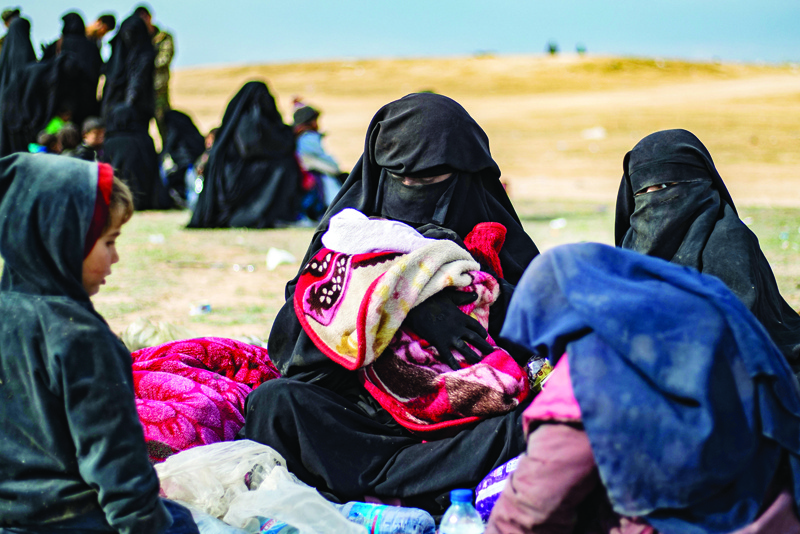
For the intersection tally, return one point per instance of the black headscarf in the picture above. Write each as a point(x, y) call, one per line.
point(695, 223)
point(128, 106)
point(426, 134)
point(17, 53)
point(84, 68)
point(128, 94)
point(419, 135)
point(184, 142)
point(252, 176)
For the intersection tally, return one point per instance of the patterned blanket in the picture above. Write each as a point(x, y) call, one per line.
point(192, 392)
point(353, 306)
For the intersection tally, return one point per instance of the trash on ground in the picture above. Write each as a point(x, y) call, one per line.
point(276, 256)
point(200, 309)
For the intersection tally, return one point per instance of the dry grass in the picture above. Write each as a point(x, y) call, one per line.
point(536, 111)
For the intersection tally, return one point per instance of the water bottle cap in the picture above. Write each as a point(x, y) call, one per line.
point(461, 495)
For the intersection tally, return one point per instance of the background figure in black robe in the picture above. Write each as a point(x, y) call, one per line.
point(673, 204)
point(128, 106)
point(252, 179)
point(86, 63)
point(16, 54)
point(183, 144)
point(333, 434)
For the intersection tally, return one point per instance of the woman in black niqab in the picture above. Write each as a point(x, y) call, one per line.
point(350, 445)
point(673, 204)
point(423, 135)
point(128, 106)
point(252, 178)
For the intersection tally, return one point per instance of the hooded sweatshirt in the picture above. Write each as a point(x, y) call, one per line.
point(70, 439)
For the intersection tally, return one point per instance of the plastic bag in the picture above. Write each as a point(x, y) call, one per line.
point(240, 480)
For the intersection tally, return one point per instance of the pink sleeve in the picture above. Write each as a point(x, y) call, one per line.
point(556, 402)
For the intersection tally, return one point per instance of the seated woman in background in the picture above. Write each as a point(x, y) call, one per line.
point(252, 179)
point(668, 410)
point(673, 204)
point(426, 163)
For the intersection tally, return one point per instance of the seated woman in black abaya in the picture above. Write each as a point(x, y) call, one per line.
point(252, 179)
point(673, 204)
point(384, 348)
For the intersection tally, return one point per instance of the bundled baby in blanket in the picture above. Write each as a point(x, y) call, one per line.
point(354, 296)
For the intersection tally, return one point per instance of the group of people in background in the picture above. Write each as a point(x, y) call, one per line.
point(272, 174)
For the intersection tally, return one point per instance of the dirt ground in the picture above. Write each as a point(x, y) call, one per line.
point(558, 127)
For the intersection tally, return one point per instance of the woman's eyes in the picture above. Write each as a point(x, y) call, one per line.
point(652, 188)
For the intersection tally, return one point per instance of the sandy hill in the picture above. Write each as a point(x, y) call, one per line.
point(559, 126)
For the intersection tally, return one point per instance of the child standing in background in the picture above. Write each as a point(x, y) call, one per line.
point(72, 451)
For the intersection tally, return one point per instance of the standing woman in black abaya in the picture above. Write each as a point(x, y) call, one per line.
point(673, 204)
point(16, 54)
point(128, 106)
point(81, 75)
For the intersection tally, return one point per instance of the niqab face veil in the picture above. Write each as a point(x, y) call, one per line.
point(689, 218)
point(423, 135)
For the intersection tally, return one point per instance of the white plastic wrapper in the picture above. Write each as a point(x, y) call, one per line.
point(241, 480)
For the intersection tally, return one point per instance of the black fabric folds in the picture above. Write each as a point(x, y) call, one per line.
point(38, 91)
point(693, 222)
point(86, 64)
point(129, 78)
point(128, 106)
point(17, 54)
point(252, 178)
point(183, 144)
point(72, 440)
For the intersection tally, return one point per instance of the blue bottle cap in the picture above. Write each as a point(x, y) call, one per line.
point(461, 495)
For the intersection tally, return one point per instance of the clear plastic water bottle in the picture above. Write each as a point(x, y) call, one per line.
point(273, 526)
point(461, 517)
point(208, 524)
point(384, 519)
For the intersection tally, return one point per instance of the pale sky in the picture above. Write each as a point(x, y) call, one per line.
point(264, 31)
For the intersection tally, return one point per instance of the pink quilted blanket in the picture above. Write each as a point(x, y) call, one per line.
point(192, 392)
point(353, 306)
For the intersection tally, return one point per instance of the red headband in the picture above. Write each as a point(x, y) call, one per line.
point(105, 181)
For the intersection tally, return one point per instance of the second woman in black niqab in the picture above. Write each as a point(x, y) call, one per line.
point(333, 434)
point(673, 204)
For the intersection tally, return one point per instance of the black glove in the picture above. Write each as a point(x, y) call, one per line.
point(434, 231)
point(438, 321)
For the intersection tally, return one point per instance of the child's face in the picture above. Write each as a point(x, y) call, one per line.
point(97, 264)
point(94, 138)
